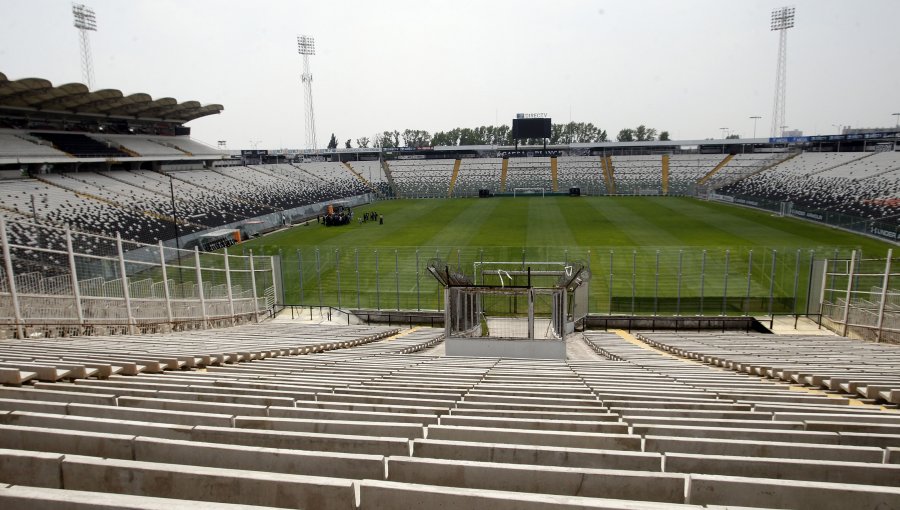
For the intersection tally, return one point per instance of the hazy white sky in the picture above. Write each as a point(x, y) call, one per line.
point(689, 67)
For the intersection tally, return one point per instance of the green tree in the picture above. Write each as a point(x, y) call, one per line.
point(664, 136)
point(363, 142)
point(332, 144)
point(625, 135)
point(347, 143)
point(734, 136)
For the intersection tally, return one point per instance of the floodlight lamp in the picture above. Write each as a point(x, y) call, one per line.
point(306, 45)
point(85, 19)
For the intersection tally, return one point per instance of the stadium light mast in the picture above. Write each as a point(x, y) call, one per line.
point(306, 46)
point(782, 20)
point(896, 122)
point(755, 118)
point(85, 21)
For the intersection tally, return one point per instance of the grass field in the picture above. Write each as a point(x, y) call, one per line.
point(634, 246)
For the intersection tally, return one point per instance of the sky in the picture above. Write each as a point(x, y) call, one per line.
point(690, 67)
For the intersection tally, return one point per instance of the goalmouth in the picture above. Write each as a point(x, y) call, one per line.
point(521, 192)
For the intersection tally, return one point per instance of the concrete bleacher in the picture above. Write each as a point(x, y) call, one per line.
point(323, 416)
point(422, 178)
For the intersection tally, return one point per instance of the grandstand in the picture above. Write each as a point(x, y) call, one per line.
point(139, 371)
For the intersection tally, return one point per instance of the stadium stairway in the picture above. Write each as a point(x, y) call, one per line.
point(363, 180)
point(709, 175)
point(608, 174)
point(368, 418)
point(390, 177)
point(453, 177)
point(504, 169)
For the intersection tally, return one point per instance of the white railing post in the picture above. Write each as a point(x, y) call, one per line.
point(253, 287)
point(228, 286)
point(125, 290)
point(11, 279)
point(849, 289)
point(165, 277)
point(200, 287)
point(884, 287)
point(75, 289)
point(274, 282)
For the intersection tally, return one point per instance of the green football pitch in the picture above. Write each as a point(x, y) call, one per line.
point(646, 254)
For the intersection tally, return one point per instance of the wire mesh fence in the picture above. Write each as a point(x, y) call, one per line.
point(625, 281)
point(860, 296)
point(57, 282)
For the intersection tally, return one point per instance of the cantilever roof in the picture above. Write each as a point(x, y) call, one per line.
point(39, 94)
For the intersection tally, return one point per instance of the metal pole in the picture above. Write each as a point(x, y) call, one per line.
point(253, 287)
point(678, 292)
point(274, 280)
point(300, 274)
point(772, 283)
point(610, 309)
point(418, 296)
point(531, 313)
point(587, 296)
point(725, 284)
point(377, 288)
point(73, 270)
point(397, 273)
point(200, 287)
point(702, 278)
point(356, 256)
point(884, 287)
point(749, 275)
point(337, 272)
point(481, 254)
point(633, 278)
point(11, 279)
point(796, 283)
point(319, 277)
point(125, 290)
point(228, 285)
point(165, 278)
point(656, 287)
point(849, 290)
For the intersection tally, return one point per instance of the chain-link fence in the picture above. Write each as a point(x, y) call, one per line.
point(860, 296)
point(625, 281)
point(55, 282)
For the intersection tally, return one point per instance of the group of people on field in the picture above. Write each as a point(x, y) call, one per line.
point(372, 216)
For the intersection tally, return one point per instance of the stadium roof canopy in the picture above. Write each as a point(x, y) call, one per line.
point(39, 95)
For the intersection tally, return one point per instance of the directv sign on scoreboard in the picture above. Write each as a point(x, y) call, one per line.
point(531, 115)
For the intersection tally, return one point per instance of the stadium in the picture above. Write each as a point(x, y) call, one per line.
point(517, 316)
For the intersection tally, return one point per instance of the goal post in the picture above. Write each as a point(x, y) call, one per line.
point(531, 192)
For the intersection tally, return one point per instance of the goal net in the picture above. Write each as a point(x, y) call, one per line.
point(532, 192)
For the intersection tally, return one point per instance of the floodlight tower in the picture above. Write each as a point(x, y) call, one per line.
point(306, 46)
point(782, 20)
point(85, 22)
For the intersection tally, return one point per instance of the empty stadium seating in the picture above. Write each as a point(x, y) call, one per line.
point(857, 184)
point(288, 415)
